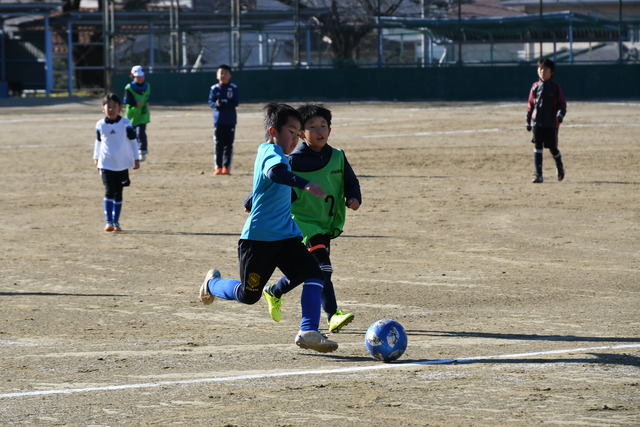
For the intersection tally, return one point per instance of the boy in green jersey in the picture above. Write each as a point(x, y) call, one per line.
point(319, 220)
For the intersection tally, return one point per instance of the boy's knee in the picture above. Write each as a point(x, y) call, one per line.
point(250, 297)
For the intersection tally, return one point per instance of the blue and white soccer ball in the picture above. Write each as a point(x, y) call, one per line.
point(386, 340)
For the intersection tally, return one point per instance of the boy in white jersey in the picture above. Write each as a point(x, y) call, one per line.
point(270, 238)
point(115, 151)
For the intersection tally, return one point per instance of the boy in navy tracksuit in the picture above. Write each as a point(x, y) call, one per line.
point(546, 110)
point(223, 98)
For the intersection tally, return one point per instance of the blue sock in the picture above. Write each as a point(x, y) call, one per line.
point(225, 288)
point(108, 209)
point(310, 302)
point(117, 208)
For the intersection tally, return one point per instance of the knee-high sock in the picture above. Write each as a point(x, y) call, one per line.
point(310, 302)
point(537, 161)
point(558, 159)
point(117, 208)
point(225, 288)
point(108, 209)
point(283, 286)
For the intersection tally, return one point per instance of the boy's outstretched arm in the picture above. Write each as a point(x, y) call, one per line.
point(315, 189)
point(281, 175)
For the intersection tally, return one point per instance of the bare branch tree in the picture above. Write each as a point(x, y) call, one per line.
point(347, 22)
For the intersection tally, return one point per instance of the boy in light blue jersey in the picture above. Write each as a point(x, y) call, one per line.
point(270, 237)
point(319, 220)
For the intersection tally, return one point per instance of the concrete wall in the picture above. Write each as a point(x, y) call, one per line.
point(579, 82)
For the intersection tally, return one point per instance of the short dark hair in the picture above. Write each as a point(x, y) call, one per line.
point(277, 114)
point(546, 62)
point(111, 97)
point(308, 111)
point(224, 67)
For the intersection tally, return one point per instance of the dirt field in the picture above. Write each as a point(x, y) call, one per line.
point(520, 300)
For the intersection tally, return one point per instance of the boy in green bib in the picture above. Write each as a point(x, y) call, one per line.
point(323, 219)
point(136, 98)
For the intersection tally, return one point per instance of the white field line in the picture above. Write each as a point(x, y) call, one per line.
point(311, 372)
point(390, 135)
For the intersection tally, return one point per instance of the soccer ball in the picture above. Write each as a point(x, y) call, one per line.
point(386, 340)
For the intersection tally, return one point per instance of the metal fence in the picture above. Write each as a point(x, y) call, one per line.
point(90, 47)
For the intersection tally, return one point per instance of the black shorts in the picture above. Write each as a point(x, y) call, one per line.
point(545, 138)
point(114, 182)
point(320, 239)
point(258, 261)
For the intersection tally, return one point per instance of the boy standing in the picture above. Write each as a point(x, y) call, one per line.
point(270, 238)
point(136, 98)
point(546, 110)
point(320, 220)
point(223, 98)
point(115, 151)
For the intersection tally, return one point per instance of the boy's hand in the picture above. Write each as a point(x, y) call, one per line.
point(315, 189)
point(528, 128)
point(353, 204)
point(136, 164)
point(560, 118)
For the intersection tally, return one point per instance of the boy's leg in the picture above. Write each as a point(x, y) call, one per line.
point(225, 288)
point(538, 140)
point(256, 266)
point(537, 162)
point(300, 267)
point(218, 150)
point(559, 166)
point(117, 208)
point(319, 247)
point(553, 148)
point(109, 197)
point(108, 209)
point(336, 318)
point(320, 252)
point(310, 302)
point(141, 134)
point(228, 147)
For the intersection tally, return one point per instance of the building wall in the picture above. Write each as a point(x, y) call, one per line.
point(579, 82)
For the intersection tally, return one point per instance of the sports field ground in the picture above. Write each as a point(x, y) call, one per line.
point(521, 301)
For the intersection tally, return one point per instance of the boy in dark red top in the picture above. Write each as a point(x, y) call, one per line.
point(546, 110)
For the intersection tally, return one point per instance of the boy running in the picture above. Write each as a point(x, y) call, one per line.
point(270, 237)
point(319, 219)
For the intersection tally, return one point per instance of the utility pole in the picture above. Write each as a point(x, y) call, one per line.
point(235, 33)
point(107, 28)
point(541, 29)
point(620, 55)
point(296, 36)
